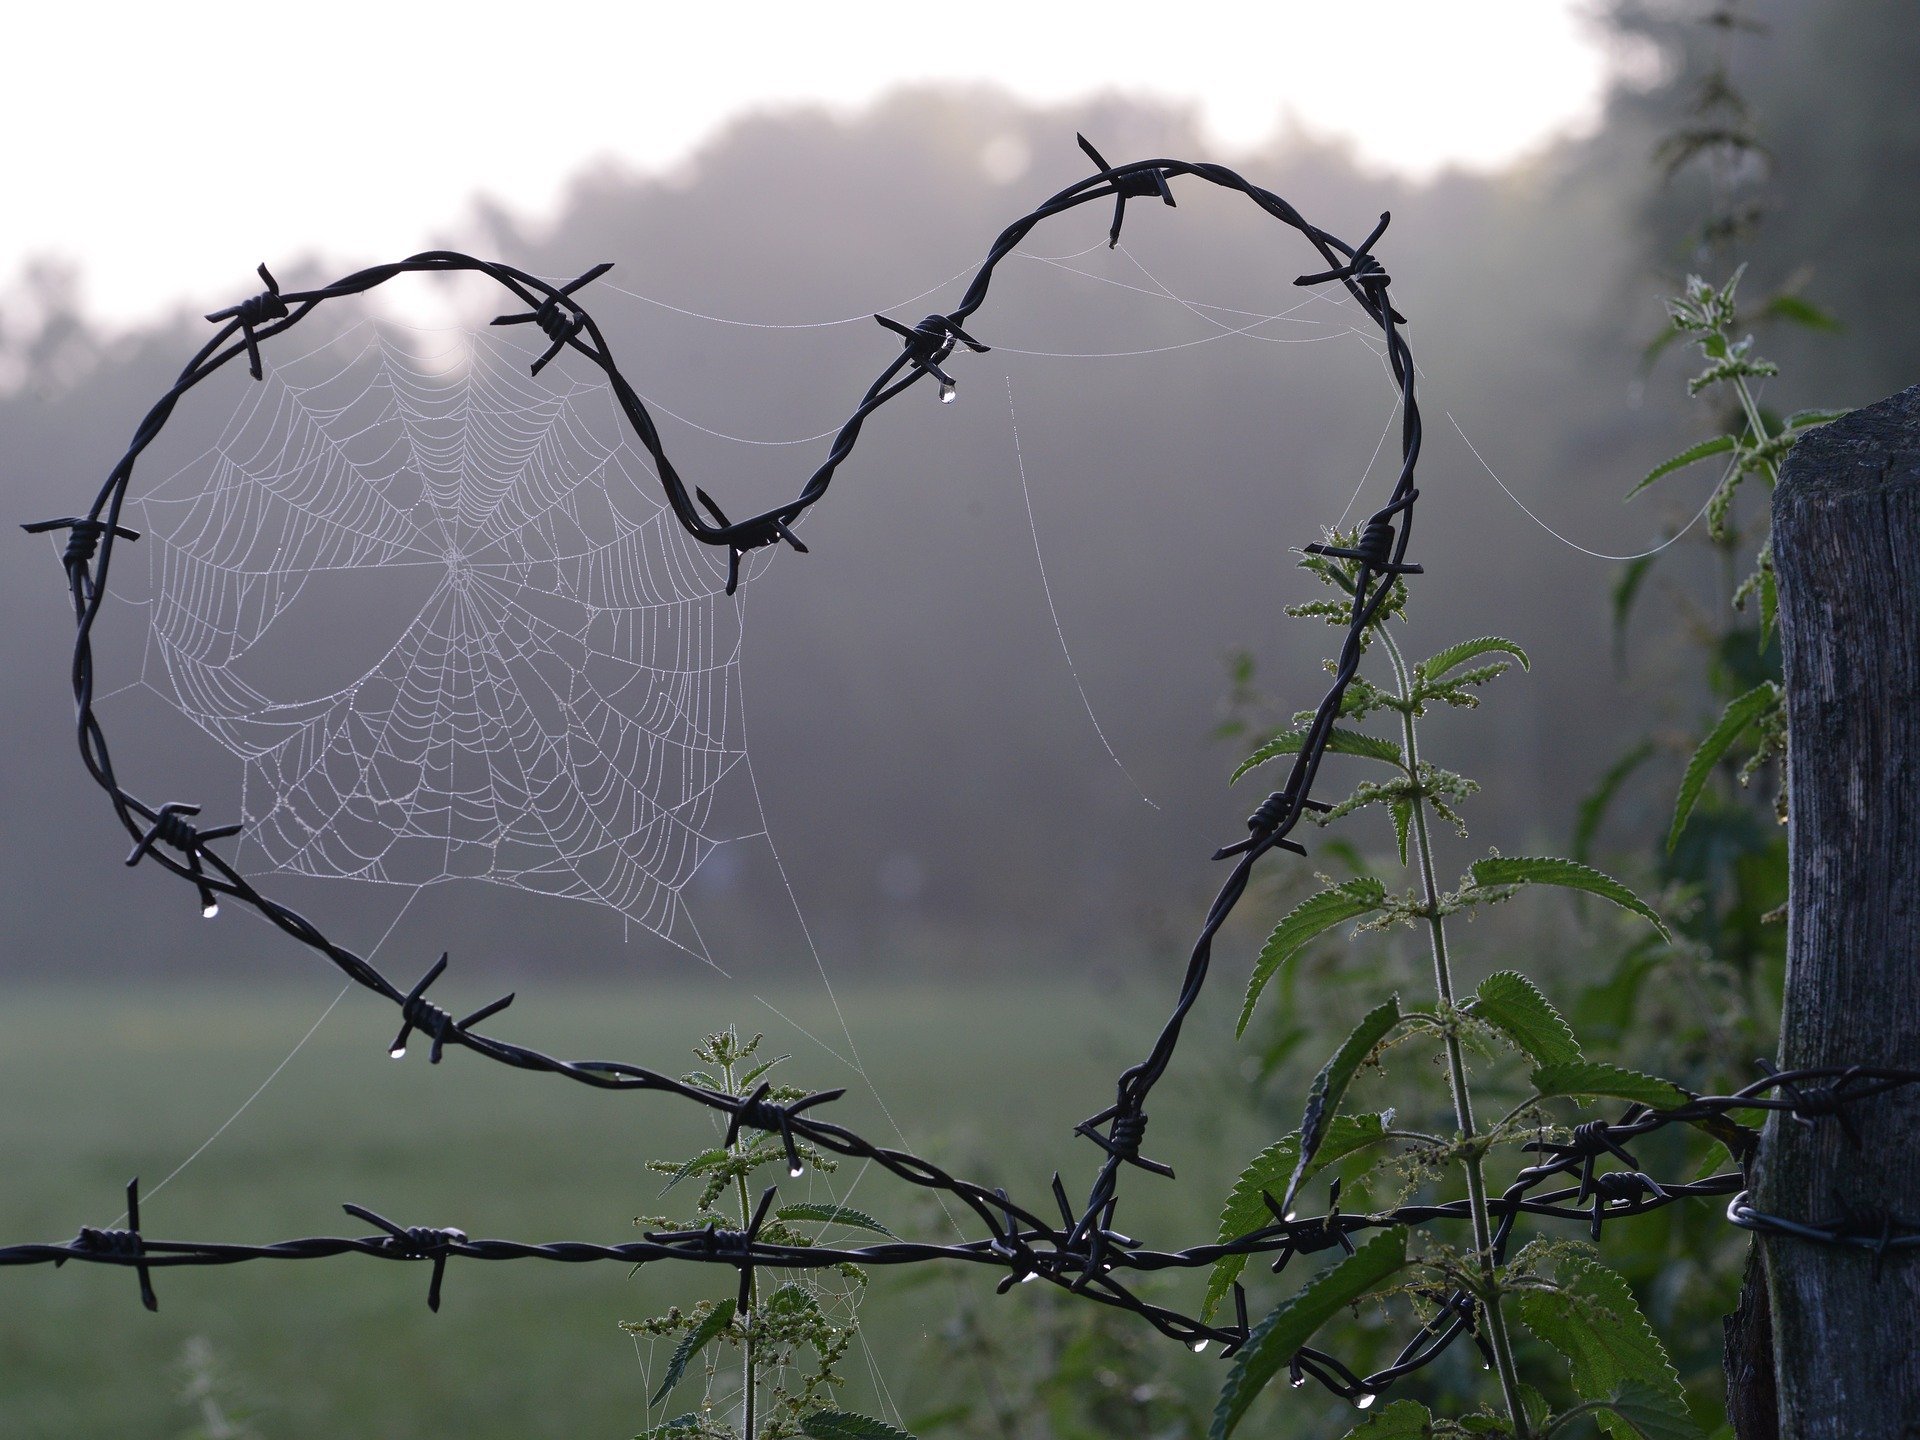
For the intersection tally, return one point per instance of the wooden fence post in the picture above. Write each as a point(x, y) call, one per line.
point(1846, 527)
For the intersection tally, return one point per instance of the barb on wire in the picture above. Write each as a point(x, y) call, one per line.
point(1135, 184)
point(417, 1013)
point(250, 314)
point(83, 538)
point(172, 826)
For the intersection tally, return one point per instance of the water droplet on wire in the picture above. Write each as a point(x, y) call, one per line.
point(948, 392)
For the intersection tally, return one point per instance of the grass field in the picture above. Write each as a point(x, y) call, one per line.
point(99, 1086)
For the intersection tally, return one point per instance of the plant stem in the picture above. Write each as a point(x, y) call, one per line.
point(746, 1320)
point(1755, 425)
point(1497, 1337)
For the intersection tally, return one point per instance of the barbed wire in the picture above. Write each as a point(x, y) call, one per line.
point(1081, 1251)
point(1029, 1249)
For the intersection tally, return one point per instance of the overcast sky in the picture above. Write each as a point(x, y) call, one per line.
point(167, 148)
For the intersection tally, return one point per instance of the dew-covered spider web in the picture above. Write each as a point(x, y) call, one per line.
point(539, 682)
point(440, 615)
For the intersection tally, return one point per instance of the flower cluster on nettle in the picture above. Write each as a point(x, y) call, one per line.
point(789, 1338)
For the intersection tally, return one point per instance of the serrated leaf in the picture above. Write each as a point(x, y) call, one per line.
point(1514, 1006)
point(680, 1425)
point(840, 1425)
point(1289, 1326)
point(1330, 1087)
point(1593, 809)
point(1593, 1322)
point(748, 1080)
point(1801, 419)
point(1625, 591)
point(1454, 656)
point(1692, 455)
point(1402, 811)
point(705, 1160)
point(1740, 713)
point(691, 1345)
point(1313, 916)
point(1402, 1420)
point(1591, 1077)
point(832, 1215)
point(1796, 310)
point(791, 1300)
point(1246, 1209)
point(1339, 740)
point(1650, 1413)
point(1569, 874)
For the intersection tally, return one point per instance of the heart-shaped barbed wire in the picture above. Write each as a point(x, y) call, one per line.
point(1080, 1251)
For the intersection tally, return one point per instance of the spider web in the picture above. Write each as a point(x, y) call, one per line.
point(542, 687)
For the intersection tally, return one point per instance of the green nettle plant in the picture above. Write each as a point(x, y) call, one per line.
point(1555, 1291)
point(787, 1347)
point(1755, 444)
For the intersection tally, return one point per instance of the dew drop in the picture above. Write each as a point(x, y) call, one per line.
point(398, 1052)
point(1198, 1346)
point(1364, 1401)
point(1029, 1277)
point(209, 910)
point(1297, 1381)
point(947, 393)
point(794, 1172)
point(1290, 1216)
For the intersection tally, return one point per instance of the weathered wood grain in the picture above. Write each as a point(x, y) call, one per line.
point(1846, 519)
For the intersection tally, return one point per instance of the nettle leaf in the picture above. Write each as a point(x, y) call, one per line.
point(1246, 1210)
point(832, 1215)
point(1592, 1320)
point(1498, 870)
point(1313, 916)
point(1692, 455)
point(1330, 1087)
point(1649, 1413)
point(1454, 656)
point(1402, 1420)
point(1801, 419)
point(1798, 310)
point(691, 1345)
point(841, 1425)
point(792, 1300)
point(688, 1424)
point(1275, 1339)
point(1741, 712)
point(1514, 1006)
point(1402, 818)
point(1593, 809)
point(1340, 741)
point(748, 1080)
point(1626, 590)
point(699, 1164)
point(1592, 1078)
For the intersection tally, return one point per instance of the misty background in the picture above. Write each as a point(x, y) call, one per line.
point(934, 786)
